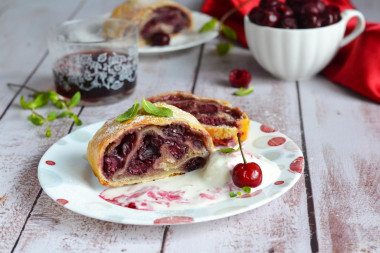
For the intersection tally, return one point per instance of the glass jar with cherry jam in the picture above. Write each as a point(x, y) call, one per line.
point(96, 58)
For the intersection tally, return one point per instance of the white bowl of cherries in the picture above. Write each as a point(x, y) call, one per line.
point(296, 39)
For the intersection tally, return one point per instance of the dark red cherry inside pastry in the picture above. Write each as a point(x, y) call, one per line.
point(219, 118)
point(138, 152)
point(160, 39)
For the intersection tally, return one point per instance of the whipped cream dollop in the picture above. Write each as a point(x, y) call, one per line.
point(195, 189)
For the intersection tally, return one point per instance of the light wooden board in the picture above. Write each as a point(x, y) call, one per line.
point(24, 26)
point(281, 225)
point(22, 144)
point(343, 142)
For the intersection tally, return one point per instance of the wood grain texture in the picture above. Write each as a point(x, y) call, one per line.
point(22, 143)
point(279, 226)
point(342, 133)
point(370, 9)
point(23, 26)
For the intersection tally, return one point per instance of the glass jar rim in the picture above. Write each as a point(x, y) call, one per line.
point(58, 30)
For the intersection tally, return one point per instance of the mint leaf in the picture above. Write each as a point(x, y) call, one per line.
point(229, 32)
point(48, 132)
point(246, 189)
point(208, 26)
point(223, 48)
point(60, 104)
point(77, 121)
point(74, 100)
point(228, 150)
point(23, 103)
point(129, 114)
point(53, 96)
point(243, 91)
point(36, 119)
point(63, 114)
point(52, 116)
point(41, 100)
point(233, 194)
point(156, 111)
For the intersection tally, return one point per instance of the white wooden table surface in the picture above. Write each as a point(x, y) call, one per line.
point(333, 208)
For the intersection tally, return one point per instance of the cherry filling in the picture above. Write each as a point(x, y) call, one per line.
point(195, 163)
point(206, 111)
point(138, 153)
point(167, 20)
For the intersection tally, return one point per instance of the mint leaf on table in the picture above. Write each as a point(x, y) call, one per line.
point(41, 100)
point(156, 111)
point(74, 100)
point(53, 96)
point(229, 32)
point(243, 91)
point(223, 48)
point(23, 103)
point(129, 114)
point(36, 119)
point(228, 150)
point(52, 116)
point(208, 26)
point(63, 114)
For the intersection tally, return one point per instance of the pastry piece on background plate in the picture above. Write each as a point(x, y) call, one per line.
point(219, 118)
point(153, 17)
point(148, 148)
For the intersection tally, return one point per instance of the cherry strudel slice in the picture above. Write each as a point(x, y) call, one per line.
point(219, 118)
point(147, 148)
point(154, 17)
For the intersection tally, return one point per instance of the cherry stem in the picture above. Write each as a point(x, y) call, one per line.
point(228, 14)
point(22, 86)
point(232, 11)
point(241, 149)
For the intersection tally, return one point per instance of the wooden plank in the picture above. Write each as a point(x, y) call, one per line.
point(23, 26)
point(370, 9)
point(22, 143)
point(157, 73)
point(281, 225)
point(342, 132)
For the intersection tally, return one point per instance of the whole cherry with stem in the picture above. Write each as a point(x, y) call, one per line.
point(246, 174)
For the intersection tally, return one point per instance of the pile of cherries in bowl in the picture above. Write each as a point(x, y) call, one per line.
point(294, 14)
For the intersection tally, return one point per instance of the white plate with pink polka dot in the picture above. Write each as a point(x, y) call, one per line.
point(66, 176)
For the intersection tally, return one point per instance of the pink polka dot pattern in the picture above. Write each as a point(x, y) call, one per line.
point(266, 129)
point(249, 195)
point(279, 183)
point(276, 141)
point(51, 163)
point(297, 165)
point(174, 220)
point(62, 201)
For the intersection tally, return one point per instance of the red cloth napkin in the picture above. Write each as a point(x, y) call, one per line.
point(356, 65)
